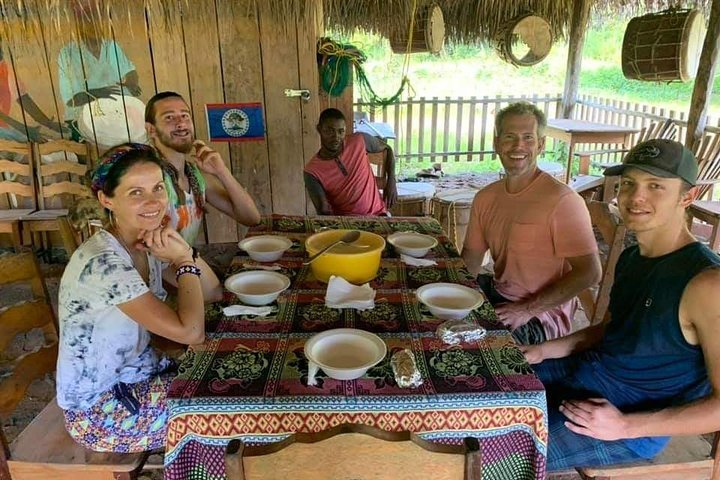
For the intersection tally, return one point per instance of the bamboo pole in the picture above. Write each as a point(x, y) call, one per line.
point(578, 26)
point(702, 90)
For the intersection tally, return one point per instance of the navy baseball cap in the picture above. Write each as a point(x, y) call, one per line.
point(662, 158)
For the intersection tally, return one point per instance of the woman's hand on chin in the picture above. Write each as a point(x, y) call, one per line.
point(167, 245)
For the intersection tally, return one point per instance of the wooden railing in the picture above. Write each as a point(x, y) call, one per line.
point(461, 129)
point(445, 129)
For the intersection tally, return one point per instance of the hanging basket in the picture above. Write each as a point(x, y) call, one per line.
point(663, 46)
point(428, 32)
point(524, 41)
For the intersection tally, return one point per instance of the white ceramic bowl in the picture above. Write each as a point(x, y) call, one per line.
point(257, 287)
point(412, 243)
point(449, 301)
point(265, 248)
point(345, 353)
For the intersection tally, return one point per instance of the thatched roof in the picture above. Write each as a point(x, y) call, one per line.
point(477, 21)
point(466, 21)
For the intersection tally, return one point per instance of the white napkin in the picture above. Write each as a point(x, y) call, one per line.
point(416, 262)
point(343, 294)
point(233, 310)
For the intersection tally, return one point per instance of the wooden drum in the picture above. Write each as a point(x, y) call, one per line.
point(413, 199)
point(452, 209)
point(663, 46)
point(428, 32)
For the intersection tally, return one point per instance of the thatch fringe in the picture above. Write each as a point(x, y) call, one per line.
point(466, 21)
point(478, 21)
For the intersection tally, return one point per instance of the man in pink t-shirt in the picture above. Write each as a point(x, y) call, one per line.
point(339, 178)
point(538, 232)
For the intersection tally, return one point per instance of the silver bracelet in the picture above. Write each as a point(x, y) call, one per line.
point(191, 269)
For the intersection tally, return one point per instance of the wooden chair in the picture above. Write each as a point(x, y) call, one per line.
point(378, 163)
point(59, 185)
point(352, 454)
point(44, 449)
point(660, 129)
point(705, 208)
point(24, 187)
point(685, 458)
point(595, 300)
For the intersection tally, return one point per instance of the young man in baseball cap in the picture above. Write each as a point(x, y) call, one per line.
point(618, 390)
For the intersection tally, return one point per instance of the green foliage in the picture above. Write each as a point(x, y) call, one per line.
point(466, 70)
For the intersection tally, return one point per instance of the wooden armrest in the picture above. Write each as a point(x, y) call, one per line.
point(588, 153)
point(603, 166)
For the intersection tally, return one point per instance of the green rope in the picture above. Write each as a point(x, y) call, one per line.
point(336, 73)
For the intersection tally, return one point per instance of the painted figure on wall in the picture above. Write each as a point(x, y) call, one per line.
point(12, 91)
point(96, 68)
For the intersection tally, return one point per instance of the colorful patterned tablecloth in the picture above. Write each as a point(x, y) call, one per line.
point(249, 379)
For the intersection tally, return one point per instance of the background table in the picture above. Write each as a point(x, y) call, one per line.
point(249, 379)
point(573, 132)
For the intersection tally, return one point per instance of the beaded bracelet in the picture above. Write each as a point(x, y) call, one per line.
point(189, 268)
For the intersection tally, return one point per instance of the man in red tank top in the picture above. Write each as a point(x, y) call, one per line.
point(339, 178)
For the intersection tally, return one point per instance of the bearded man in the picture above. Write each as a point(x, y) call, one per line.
point(195, 173)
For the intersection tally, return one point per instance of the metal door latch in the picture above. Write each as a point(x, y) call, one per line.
point(304, 94)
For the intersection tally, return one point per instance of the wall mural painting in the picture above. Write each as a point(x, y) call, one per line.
point(98, 85)
point(14, 129)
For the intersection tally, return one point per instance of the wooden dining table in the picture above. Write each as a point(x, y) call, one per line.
point(248, 380)
point(575, 132)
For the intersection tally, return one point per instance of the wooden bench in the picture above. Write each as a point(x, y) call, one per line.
point(44, 450)
point(685, 458)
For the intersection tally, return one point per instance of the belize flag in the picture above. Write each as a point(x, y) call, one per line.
point(235, 122)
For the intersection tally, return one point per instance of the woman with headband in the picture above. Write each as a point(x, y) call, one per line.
point(110, 383)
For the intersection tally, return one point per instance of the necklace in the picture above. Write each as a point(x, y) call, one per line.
point(143, 270)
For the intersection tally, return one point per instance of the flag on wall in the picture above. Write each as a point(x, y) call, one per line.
point(235, 122)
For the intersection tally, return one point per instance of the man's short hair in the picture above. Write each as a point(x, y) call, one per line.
point(331, 114)
point(521, 108)
point(150, 107)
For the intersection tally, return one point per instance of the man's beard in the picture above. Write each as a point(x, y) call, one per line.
point(179, 146)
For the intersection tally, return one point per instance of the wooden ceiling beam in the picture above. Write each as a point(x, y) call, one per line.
point(702, 90)
point(578, 27)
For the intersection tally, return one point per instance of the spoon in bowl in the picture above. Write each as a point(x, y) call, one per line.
point(348, 237)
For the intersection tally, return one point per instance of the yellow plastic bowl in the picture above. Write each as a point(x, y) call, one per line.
point(357, 263)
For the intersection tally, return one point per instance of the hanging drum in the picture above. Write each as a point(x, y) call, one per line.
point(428, 33)
point(663, 46)
point(524, 40)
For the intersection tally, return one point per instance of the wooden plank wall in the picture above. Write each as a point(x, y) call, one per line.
point(220, 51)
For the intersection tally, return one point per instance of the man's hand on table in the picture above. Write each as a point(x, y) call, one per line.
point(513, 315)
point(596, 418)
point(533, 353)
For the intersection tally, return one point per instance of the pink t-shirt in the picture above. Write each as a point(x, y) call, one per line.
point(355, 193)
point(530, 234)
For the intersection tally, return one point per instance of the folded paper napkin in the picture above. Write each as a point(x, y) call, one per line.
point(343, 294)
point(416, 262)
point(233, 310)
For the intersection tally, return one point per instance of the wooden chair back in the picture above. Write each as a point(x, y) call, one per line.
point(612, 231)
point(63, 178)
point(707, 154)
point(17, 187)
point(21, 318)
point(378, 163)
point(666, 129)
point(352, 454)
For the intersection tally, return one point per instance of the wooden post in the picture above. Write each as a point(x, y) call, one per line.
point(702, 90)
point(580, 15)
